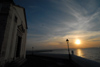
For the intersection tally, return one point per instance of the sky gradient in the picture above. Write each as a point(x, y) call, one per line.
point(51, 22)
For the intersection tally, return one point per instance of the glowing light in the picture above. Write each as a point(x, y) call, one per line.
point(77, 41)
point(79, 52)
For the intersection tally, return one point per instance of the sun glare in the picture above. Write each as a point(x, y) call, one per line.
point(77, 41)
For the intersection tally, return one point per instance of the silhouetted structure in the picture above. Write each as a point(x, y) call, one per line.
point(13, 27)
point(72, 52)
point(32, 50)
point(68, 49)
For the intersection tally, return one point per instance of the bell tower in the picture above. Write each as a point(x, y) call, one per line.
point(13, 31)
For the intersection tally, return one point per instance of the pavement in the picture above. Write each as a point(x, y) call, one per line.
point(40, 61)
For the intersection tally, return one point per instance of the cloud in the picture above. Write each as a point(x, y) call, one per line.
point(64, 19)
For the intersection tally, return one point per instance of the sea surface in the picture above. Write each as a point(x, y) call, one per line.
point(89, 53)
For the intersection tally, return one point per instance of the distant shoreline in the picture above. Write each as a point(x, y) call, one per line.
point(40, 51)
point(50, 50)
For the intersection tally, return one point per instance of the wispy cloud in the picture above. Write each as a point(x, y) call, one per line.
point(64, 19)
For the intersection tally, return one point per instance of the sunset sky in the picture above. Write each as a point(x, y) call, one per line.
point(51, 22)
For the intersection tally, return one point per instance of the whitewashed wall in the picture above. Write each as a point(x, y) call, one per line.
point(20, 12)
point(11, 32)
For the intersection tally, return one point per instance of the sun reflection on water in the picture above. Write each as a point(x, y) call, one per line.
point(79, 52)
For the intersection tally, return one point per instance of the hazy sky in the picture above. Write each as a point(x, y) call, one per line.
point(51, 22)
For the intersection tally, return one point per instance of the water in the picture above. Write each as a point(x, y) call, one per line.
point(89, 53)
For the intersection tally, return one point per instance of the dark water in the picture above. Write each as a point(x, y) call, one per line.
point(89, 53)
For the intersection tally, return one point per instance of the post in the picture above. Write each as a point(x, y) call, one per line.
point(68, 49)
point(32, 50)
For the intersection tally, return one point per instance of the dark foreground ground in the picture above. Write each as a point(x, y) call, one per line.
point(40, 61)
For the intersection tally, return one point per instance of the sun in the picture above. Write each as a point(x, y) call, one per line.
point(78, 41)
